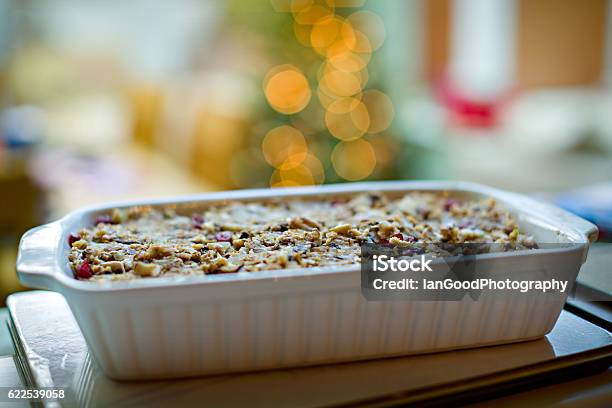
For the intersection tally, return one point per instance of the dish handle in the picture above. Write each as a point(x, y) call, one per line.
point(38, 256)
point(557, 216)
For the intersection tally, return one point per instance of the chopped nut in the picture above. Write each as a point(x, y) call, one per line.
point(80, 244)
point(471, 234)
point(347, 230)
point(114, 266)
point(144, 269)
point(199, 239)
point(232, 227)
point(220, 247)
point(303, 223)
point(514, 234)
point(229, 268)
point(118, 216)
point(385, 230)
point(330, 237)
point(342, 229)
point(313, 236)
point(238, 243)
point(282, 259)
point(157, 251)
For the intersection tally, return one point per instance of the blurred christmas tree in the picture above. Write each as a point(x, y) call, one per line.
point(320, 115)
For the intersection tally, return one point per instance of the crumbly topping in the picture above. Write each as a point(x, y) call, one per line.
point(252, 236)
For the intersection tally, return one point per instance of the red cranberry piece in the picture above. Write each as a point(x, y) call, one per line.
point(223, 236)
point(72, 238)
point(104, 219)
point(383, 241)
point(449, 203)
point(84, 271)
point(399, 235)
point(197, 220)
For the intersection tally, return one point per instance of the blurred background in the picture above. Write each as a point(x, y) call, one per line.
point(108, 100)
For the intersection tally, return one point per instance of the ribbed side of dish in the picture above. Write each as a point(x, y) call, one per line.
point(181, 340)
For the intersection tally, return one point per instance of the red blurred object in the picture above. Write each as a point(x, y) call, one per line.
point(469, 112)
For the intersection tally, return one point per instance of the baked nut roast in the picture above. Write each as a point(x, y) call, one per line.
point(249, 236)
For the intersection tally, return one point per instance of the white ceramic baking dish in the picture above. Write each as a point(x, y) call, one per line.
point(173, 327)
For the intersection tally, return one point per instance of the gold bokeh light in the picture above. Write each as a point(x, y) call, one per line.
point(338, 105)
point(347, 124)
point(354, 160)
point(286, 89)
point(310, 15)
point(309, 172)
point(325, 32)
point(284, 147)
point(336, 83)
point(380, 109)
point(347, 58)
point(368, 25)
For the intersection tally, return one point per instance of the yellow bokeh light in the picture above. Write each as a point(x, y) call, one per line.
point(346, 58)
point(312, 14)
point(341, 105)
point(368, 25)
point(324, 98)
point(299, 5)
point(286, 89)
point(338, 105)
point(380, 109)
point(324, 33)
point(326, 67)
point(354, 160)
point(338, 83)
point(284, 147)
point(349, 125)
point(384, 148)
point(308, 173)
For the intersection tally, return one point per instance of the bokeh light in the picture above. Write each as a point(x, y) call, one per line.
point(340, 105)
point(345, 123)
point(284, 147)
point(309, 172)
point(326, 67)
point(287, 89)
point(310, 15)
point(354, 160)
point(347, 58)
point(324, 32)
point(369, 25)
point(385, 149)
point(336, 83)
point(380, 109)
